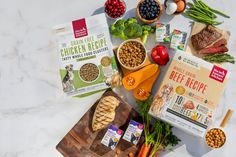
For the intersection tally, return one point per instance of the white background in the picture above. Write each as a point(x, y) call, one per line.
point(34, 115)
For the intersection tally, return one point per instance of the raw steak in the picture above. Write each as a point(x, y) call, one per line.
point(210, 50)
point(205, 37)
point(221, 42)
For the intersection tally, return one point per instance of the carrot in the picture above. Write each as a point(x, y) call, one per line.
point(144, 150)
point(155, 154)
point(131, 154)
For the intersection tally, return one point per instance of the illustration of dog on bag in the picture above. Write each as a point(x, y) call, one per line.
point(68, 80)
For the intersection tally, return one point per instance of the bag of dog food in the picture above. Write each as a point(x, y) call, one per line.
point(87, 62)
point(189, 93)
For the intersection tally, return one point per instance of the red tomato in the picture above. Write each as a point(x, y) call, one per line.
point(160, 55)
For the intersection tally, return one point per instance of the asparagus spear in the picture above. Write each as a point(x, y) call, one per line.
point(219, 58)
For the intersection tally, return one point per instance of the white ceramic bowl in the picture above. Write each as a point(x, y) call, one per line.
point(111, 18)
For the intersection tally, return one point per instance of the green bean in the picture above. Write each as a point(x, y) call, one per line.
point(199, 18)
point(198, 4)
point(206, 11)
point(202, 4)
point(199, 14)
point(221, 13)
point(191, 4)
point(204, 20)
point(199, 10)
point(213, 10)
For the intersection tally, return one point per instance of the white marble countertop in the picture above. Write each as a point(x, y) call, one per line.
point(34, 115)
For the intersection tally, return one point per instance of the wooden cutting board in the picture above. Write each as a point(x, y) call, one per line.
point(197, 27)
point(82, 141)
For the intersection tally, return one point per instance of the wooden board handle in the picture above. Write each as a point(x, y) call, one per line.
point(226, 118)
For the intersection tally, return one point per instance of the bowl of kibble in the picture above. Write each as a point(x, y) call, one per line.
point(131, 54)
point(215, 138)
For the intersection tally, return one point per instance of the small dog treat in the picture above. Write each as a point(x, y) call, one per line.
point(178, 40)
point(133, 132)
point(162, 32)
point(112, 137)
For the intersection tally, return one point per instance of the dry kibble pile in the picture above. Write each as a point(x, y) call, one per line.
point(89, 72)
point(132, 54)
point(215, 138)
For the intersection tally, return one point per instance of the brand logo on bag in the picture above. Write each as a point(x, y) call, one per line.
point(80, 28)
point(218, 73)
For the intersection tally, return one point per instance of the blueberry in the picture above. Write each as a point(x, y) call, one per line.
point(145, 3)
point(142, 8)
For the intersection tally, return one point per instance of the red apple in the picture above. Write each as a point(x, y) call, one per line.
point(160, 55)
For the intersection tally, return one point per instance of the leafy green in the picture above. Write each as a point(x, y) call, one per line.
point(144, 108)
point(219, 58)
point(161, 136)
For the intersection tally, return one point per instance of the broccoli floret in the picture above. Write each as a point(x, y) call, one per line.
point(120, 22)
point(130, 28)
point(130, 21)
point(147, 29)
point(117, 29)
point(133, 30)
